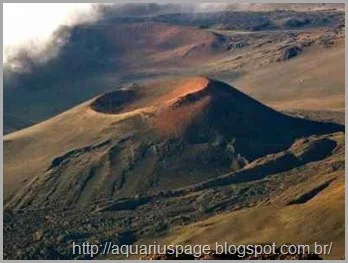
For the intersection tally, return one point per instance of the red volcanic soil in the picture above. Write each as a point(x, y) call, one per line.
point(158, 95)
point(190, 86)
point(200, 110)
point(173, 121)
point(178, 110)
point(174, 109)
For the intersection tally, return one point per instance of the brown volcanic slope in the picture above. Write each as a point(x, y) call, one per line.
point(143, 139)
point(152, 43)
point(319, 219)
point(322, 87)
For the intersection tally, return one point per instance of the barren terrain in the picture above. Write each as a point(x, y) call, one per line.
point(179, 128)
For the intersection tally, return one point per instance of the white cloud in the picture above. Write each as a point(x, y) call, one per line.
point(32, 24)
